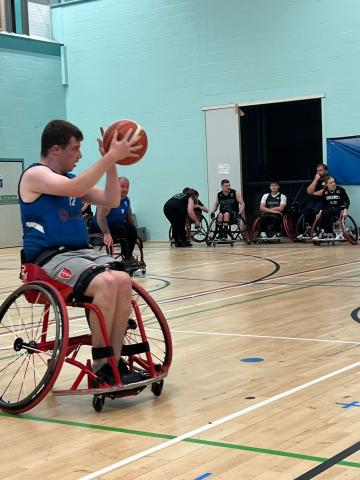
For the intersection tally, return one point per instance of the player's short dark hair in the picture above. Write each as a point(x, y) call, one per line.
point(274, 182)
point(326, 168)
point(58, 132)
point(225, 180)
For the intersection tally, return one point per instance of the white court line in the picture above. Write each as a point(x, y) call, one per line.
point(266, 337)
point(276, 287)
point(214, 424)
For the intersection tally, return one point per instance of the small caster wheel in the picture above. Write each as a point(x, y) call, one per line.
point(98, 402)
point(157, 387)
point(143, 271)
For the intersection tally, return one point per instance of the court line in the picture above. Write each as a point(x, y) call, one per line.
point(329, 463)
point(198, 441)
point(214, 424)
point(267, 337)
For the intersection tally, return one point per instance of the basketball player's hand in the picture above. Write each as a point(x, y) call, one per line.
point(127, 147)
point(108, 241)
point(100, 142)
point(197, 225)
point(317, 177)
point(345, 213)
point(318, 215)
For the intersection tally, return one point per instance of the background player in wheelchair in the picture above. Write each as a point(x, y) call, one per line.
point(272, 206)
point(117, 226)
point(230, 204)
point(329, 222)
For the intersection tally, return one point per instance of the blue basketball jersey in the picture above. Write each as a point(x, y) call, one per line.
point(118, 214)
point(52, 221)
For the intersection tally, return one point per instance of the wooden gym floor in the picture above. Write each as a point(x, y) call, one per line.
point(292, 307)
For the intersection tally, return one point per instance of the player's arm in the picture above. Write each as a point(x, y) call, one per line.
point(41, 180)
point(110, 196)
point(215, 207)
point(101, 218)
point(191, 212)
point(282, 205)
point(241, 203)
point(311, 188)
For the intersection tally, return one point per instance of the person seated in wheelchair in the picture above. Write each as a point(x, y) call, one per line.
point(314, 202)
point(55, 236)
point(336, 203)
point(272, 206)
point(230, 204)
point(117, 226)
point(176, 210)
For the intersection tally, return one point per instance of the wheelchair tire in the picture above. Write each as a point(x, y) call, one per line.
point(211, 233)
point(349, 229)
point(146, 312)
point(255, 231)
point(315, 230)
point(33, 344)
point(244, 232)
point(289, 227)
point(198, 236)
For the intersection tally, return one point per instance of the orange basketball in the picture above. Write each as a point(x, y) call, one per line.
point(122, 126)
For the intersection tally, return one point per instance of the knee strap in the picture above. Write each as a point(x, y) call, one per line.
point(101, 352)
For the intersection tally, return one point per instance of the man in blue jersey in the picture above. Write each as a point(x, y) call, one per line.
point(55, 236)
point(116, 224)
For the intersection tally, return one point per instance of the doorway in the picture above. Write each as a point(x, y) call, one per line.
point(279, 142)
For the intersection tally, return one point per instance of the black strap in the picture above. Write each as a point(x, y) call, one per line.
point(135, 349)
point(102, 352)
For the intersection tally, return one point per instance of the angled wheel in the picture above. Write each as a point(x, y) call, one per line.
point(155, 351)
point(211, 233)
point(256, 229)
point(171, 237)
point(33, 344)
point(243, 231)
point(289, 227)
point(198, 236)
point(349, 229)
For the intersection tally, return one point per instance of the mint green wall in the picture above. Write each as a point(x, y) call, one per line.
point(160, 61)
point(31, 94)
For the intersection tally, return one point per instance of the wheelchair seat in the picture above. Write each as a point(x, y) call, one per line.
point(237, 231)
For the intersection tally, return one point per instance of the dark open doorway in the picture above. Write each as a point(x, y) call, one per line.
point(282, 142)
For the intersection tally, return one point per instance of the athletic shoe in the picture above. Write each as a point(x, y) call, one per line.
point(104, 375)
point(263, 235)
point(339, 236)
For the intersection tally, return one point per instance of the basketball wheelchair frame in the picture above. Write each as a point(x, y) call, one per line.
point(287, 227)
point(237, 231)
point(343, 229)
point(35, 344)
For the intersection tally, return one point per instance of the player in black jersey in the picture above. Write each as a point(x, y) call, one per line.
point(230, 204)
point(176, 210)
point(272, 206)
point(335, 203)
point(315, 200)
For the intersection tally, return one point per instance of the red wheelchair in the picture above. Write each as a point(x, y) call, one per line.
point(39, 336)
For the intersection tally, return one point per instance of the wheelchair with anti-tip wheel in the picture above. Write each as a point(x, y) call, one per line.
point(192, 233)
point(344, 229)
point(116, 251)
point(236, 231)
point(287, 230)
point(40, 335)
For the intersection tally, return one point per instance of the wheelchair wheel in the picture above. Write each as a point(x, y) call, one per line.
point(198, 235)
point(289, 227)
point(243, 231)
point(211, 233)
point(256, 228)
point(33, 344)
point(146, 313)
point(349, 229)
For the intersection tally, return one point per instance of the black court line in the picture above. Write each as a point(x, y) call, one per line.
point(330, 462)
point(355, 316)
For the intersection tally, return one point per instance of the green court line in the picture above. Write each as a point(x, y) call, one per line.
point(197, 441)
point(249, 299)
